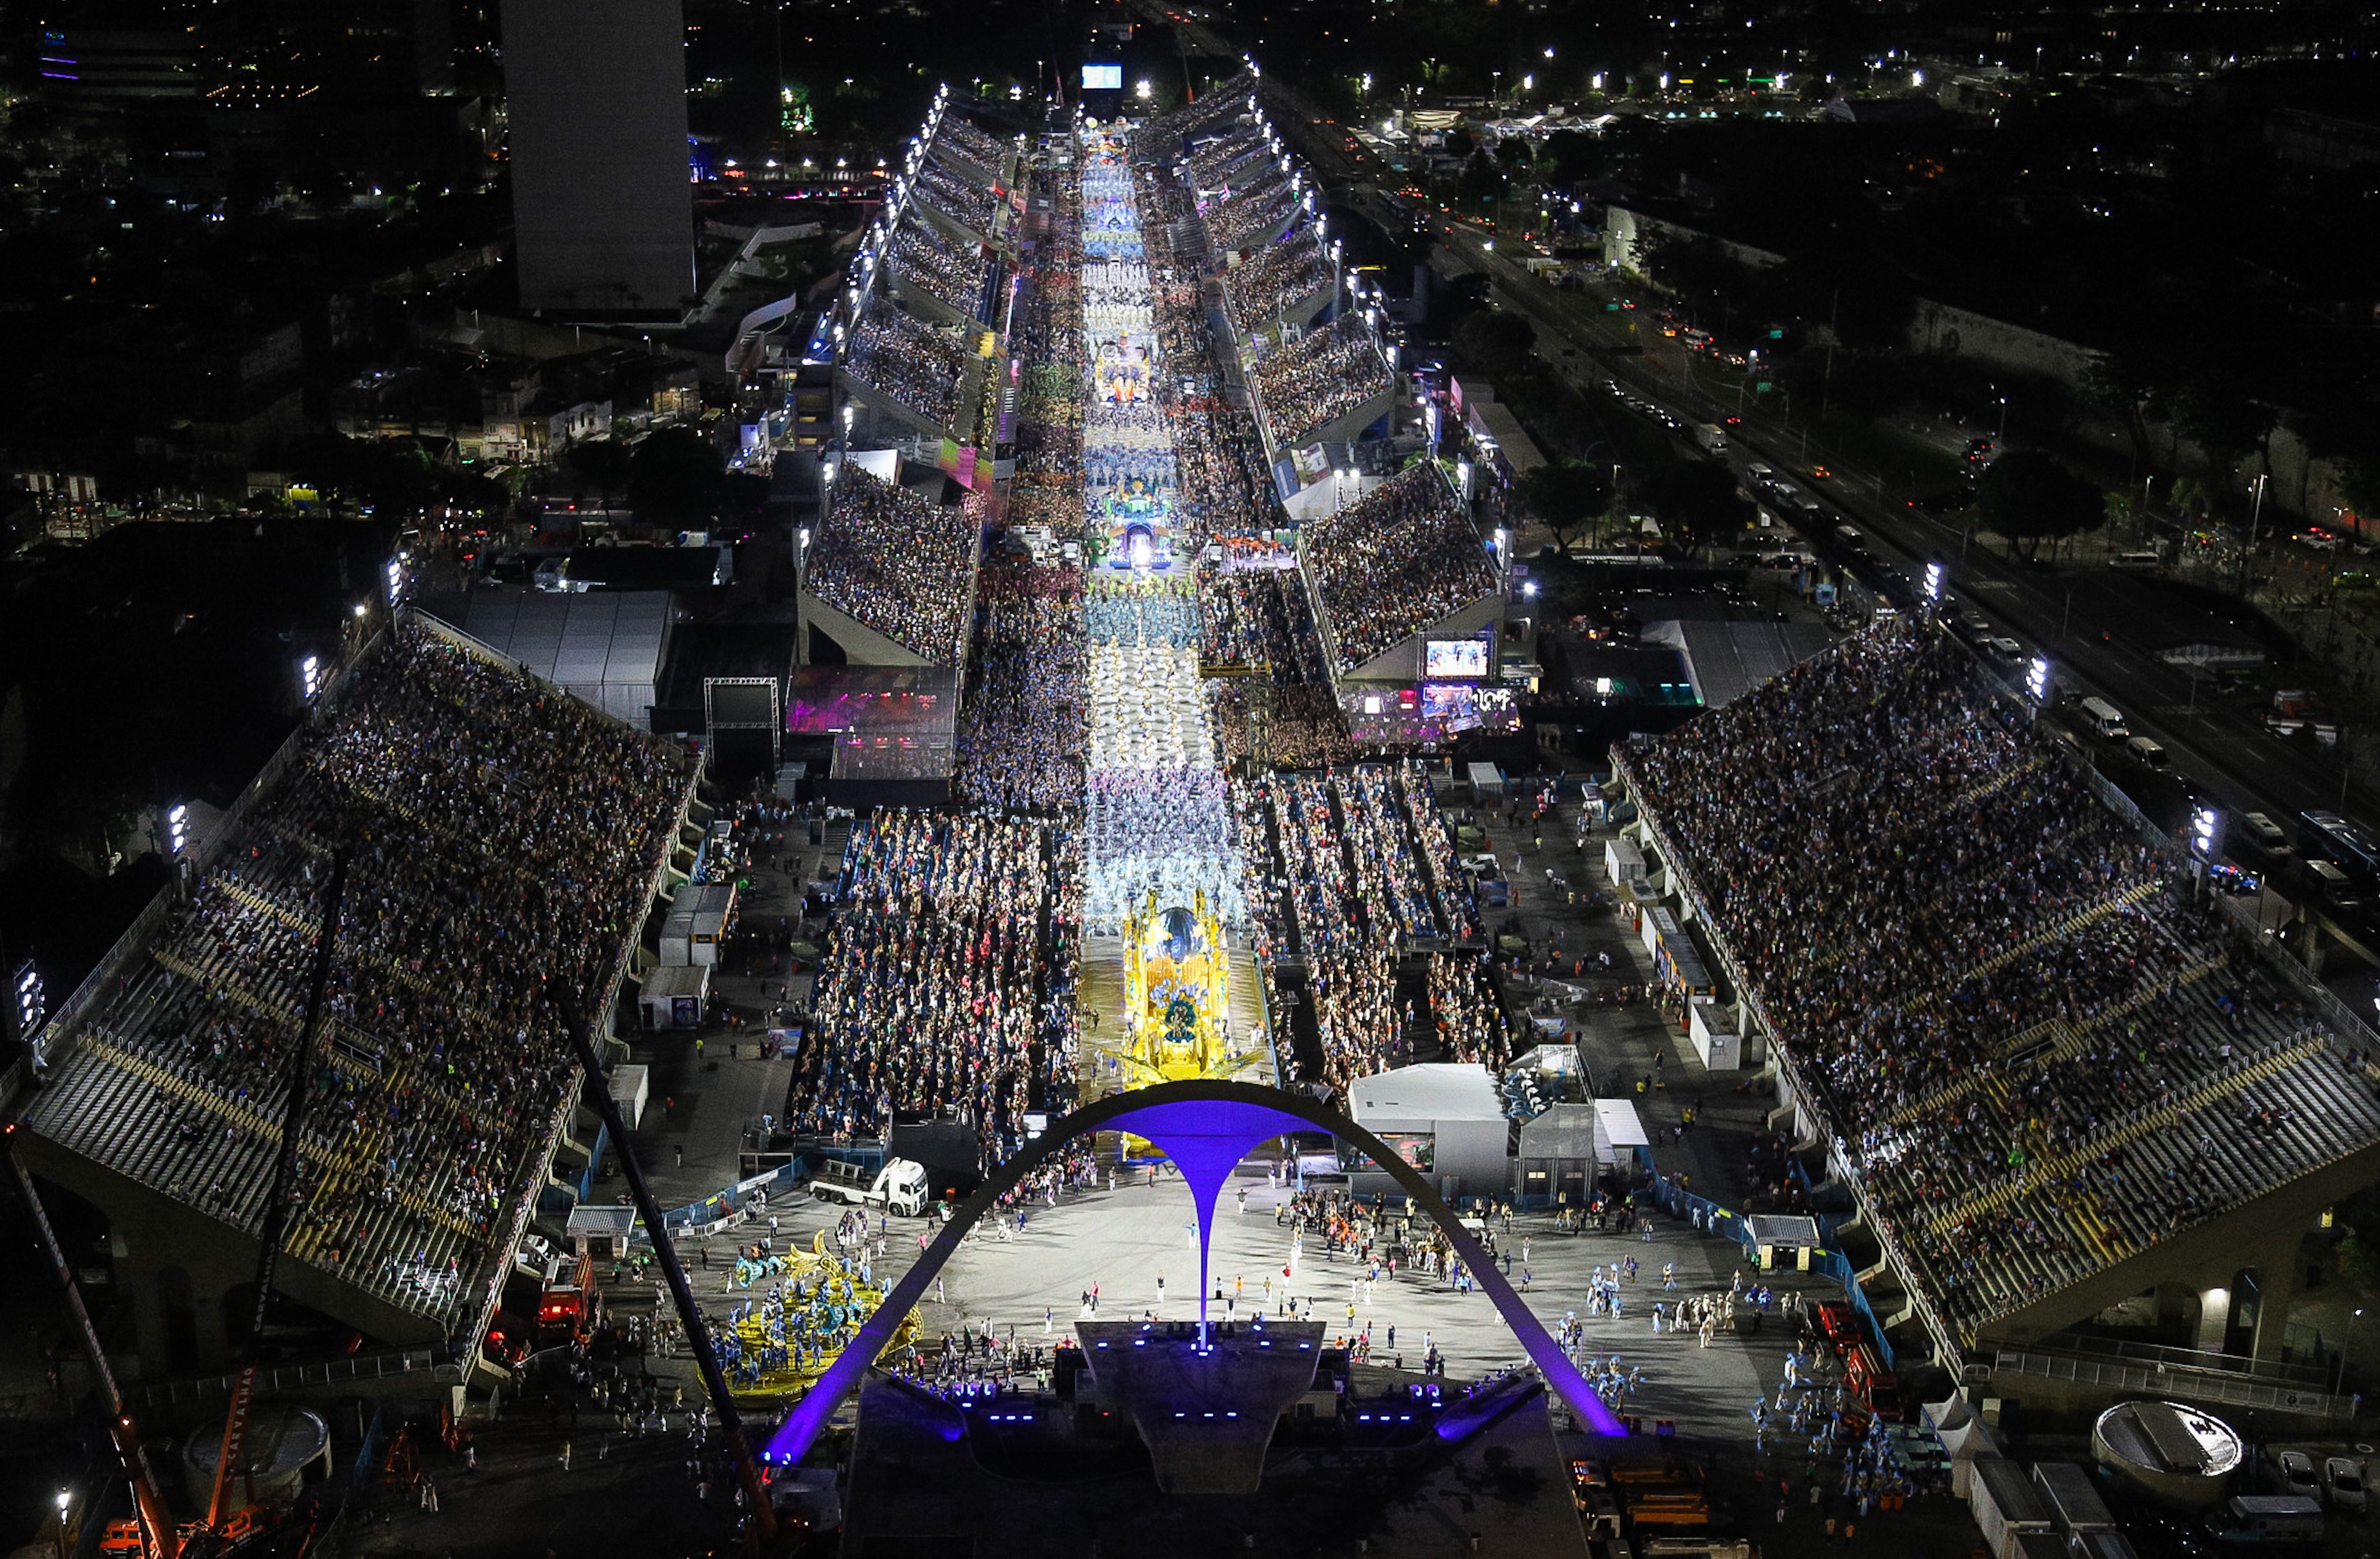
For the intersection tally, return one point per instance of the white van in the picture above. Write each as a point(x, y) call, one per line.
point(2143, 562)
point(2145, 751)
point(2105, 719)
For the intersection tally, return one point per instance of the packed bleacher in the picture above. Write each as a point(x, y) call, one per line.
point(959, 135)
point(1021, 742)
point(1226, 100)
point(1224, 489)
point(506, 835)
point(2042, 1055)
point(1355, 881)
point(949, 980)
point(957, 194)
point(1276, 281)
point(1254, 214)
point(952, 272)
point(1046, 333)
point(1397, 560)
point(916, 364)
point(1234, 159)
point(895, 562)
point(1320, 376)
point(1256, 615)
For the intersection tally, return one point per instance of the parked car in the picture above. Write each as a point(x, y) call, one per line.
point(2342, 1483)
point(2293, 1474)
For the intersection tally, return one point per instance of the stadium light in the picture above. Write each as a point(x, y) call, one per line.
point(309, 678)
point(395, 580)
point(2206, 833)
point(177, 830)
point(28, 1003)
point(2036, 678)
point(1140, 89)
point(1934, 573)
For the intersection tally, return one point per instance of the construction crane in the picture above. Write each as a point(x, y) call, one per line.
point(765, 1532)
point(155, 1523)
point(227, 1522)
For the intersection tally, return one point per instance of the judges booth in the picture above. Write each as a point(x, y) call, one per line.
point(1675, 959)
point(1779, 1242)
point(671, 996)
point(1713, 1030)
point(700, 920)
point(1623, 861)
point(1562, 1150)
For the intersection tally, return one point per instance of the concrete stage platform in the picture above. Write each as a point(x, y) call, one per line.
point(1063, 1475)
point(1204, 1410)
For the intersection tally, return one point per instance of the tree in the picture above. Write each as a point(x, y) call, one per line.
point(2028, 496)
point(2222, 418)
point(2136, 379)
point(1482, 181)
point(1494, 342)
point(1696, 502)
point(674, 478)
point(600, 464)
point(1564, 497)
point(1570, 155)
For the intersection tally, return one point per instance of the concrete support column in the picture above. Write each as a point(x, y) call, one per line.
point(2277, 1287)
point(2214, 1318)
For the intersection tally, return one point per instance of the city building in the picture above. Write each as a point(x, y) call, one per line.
point(603, 209)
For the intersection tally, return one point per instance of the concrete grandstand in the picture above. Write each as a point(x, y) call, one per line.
point(2052, 1074)
point(506, 835)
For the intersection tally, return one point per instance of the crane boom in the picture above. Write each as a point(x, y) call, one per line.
point(234, 1451)
point(159, 1539)
point(698, 1332)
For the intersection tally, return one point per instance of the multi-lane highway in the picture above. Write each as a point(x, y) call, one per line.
point(2095, 642)
point(2100, 638)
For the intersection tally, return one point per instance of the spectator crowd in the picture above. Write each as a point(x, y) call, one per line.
point(896, 562)
point(920, 365)
point(1021, 742)
point(1320, 377)
point(1394, 561)
point(2026, 1029)
point(949, 983)
point(505, 841)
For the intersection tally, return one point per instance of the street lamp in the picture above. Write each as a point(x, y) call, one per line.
point(2337, 1387)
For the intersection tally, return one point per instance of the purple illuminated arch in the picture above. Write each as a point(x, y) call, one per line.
point(1207, 1128)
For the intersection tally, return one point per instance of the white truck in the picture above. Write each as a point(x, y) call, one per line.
point(1711, 439)
point(900, 1186)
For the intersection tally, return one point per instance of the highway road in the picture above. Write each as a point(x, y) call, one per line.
point(2098, 645)
point(2100, 642)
